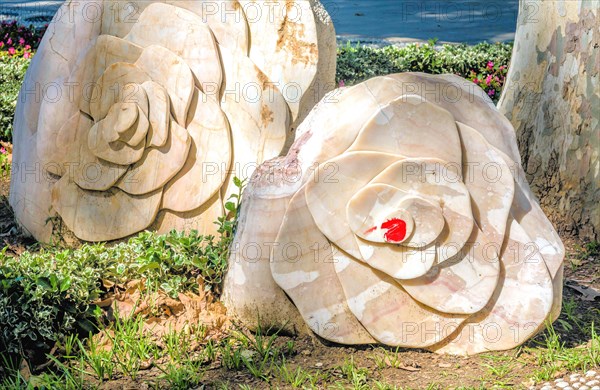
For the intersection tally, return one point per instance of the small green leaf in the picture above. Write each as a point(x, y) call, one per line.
point(65, 284)
point(44, 283)
point(149, 266)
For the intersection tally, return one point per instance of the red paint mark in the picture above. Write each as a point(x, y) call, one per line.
point(396, 230)
point(371, 230)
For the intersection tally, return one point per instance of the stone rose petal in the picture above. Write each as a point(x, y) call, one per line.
point(136, 133)
point(397, 261)
point(172, 73)
point(53, 153)
point(94, 174)
point(428, 219)
point(125, 122)
point(107, 51)
point(332, 187)
point(463, 284)
point(284, 44)
point(54, 120)
point(115, 214)
point(158, 165)
point(371, 207)
point(121, 118)
point(467, 103)
point(159, 114)
point(210, 157)
point(115, 152)
point(78, 162)
point(251, 252)
point(519, 307)
point(201, 219)
point(388, 313)
point(257, 112)
point(490, 183)
point(392, 130)
point(186, 35)
point(115, 85)
point(305, 267)
point(90, 172)
point(438, 182)
point(118, 18)
point(225, 18)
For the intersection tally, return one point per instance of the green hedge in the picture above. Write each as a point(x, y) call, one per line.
point(485, 63)
point(12, 72)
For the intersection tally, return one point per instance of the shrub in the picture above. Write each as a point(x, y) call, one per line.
point(49, 295)
point(44, 296)
point(17, 45)
point(19, 40)
point(12, 73)
point(358, 63)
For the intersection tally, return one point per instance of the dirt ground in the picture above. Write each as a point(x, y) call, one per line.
point(414, 369)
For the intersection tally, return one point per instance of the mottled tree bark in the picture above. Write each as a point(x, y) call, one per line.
point(552, 98)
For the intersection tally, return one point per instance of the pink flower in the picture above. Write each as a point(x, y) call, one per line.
point(488, 79)
point(27, 47)
point(11, 51)
point(491, 92)
point(2, 150)
point(26, 55)
point(342, 84)
point(1, 44)
point(9, 42)
point(490, 65)
point(21, 41)
point(476, 81)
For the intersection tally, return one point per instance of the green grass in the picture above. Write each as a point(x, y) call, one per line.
point(184, 357)
point(552, 355)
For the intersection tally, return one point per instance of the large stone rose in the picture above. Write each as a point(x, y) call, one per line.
point(147, 109)
point(400, 216)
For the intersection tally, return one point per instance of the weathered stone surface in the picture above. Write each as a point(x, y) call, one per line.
point(141, 118)
point(552, 98)
point(399, 216)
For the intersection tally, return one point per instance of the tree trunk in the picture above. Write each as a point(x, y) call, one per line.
point(552, 98)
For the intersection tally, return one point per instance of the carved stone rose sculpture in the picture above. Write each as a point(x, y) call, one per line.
point(400, 216)
point(138, 114)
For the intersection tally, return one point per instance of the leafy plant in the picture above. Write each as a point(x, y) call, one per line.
point(5, 161)
point(12, 73)
point(47, 297)
point(21, 39)
point(43, 298)
point(358, 63)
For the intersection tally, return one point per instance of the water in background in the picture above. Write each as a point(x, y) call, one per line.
point(368, 20)
point(28, 12)
point(447, 20)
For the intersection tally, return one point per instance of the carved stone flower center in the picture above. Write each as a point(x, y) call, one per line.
point(381, 213)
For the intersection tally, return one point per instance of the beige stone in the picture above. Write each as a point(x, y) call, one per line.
point(400, 217)
point(154, 117)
